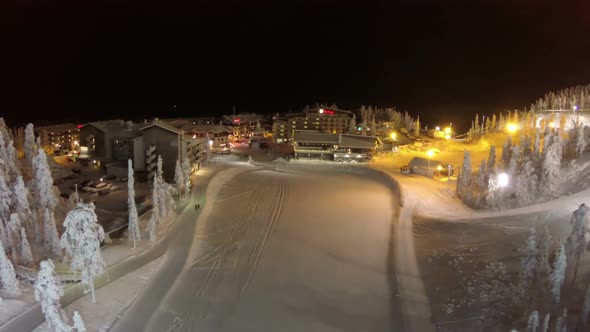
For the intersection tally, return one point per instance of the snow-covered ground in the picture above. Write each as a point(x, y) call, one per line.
point(279, 252)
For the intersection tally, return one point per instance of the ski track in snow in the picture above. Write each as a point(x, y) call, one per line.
point(247, 211)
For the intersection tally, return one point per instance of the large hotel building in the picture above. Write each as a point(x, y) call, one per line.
point(326, 119)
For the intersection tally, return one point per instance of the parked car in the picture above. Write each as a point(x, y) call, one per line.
point(69, 159)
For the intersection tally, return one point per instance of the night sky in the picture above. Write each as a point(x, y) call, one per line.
point(445, 60)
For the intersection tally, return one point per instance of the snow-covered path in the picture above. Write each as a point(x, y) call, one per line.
point(278, 252)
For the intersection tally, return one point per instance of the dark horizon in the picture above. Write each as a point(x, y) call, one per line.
point(87, 61)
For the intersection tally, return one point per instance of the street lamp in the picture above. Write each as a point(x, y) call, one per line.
point(503, 180)
point(429, 153)
point(512, 127)
point(393, 136)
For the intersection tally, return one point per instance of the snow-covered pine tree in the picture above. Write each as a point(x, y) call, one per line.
point(464, 180)
point(525, 146)
point(186, 173)
point(51, 237)
point(5, 198)
point(546, 323)
point(25, 249)
point(13, 235)
point(81, 242)
point(417, 127)
point(156, 199)
point(3, 233)
point(30, 146)
point(507, 152)
point(152, 225)
point(561, 324)
point(133, 228)
point(545, 248)
point(373, 126)
point(159, 172)
point(79, 322)
point(482, 176)
point(48, 292)
point(537, 143)
point(12, 161)
point(580, 142)
point(558, 275)
point(528, 263)
point(7, 275)
point(491, 167)
point(20, 203)
point(575, 244)
point(352, 125)
point(3, 155)
point(550, 175)
point(526, 182)
point(179, 177)
point(514, 159)
point(533, 322)
point(364, 127)
point(4, 129)
point(494, 124)
point(43, 182)
point(73, 199)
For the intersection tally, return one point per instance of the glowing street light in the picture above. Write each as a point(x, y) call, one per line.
point(393, 136)
point(429, 153)
point(503, 180)
point(512, 127)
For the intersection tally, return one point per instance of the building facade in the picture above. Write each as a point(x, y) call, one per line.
point(59, 137)
point(329, 146)
point(329, 120)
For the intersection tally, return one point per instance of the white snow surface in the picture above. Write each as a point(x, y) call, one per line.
point(278, 252)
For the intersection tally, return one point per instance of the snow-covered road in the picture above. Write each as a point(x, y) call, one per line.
point(278, 252)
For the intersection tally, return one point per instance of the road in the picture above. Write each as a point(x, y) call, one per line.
point(278, 252)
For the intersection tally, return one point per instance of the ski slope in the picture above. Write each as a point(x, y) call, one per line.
point(279, 252)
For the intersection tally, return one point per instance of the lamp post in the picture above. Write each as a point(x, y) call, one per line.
point(429, 153)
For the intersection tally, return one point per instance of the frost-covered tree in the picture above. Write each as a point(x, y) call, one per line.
point(482, 176)
point(561, 324)
point(417, 127)
point(10, 284)
point(576, 241)
point(179, 177)
point(159, 172)
point(558, 275)
point(374, 126)
point(51, 237)
point(78, 322)
point(550, 178)
point(491, 167)
point(13, 235)
point(25, 249)
point(513, 163)
point(4, 129)
point(364, 127)
point(81, 242)
point(546, 323)
point(533, 322)
point(186, 173)
point(464, 180)
point(133, 228)
point(30, 146)
point(526, 182)
point(3, 155)
point(5, 198)
point(528, 263)
point(43, 182)
point(545, 249)
point(48, 292)
point(12, 161)
point(537, 143)
point(580, 142)
point(507, 152)
point(155, 218)
point(352, 125)
point(20, 202)
point(73, 199)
